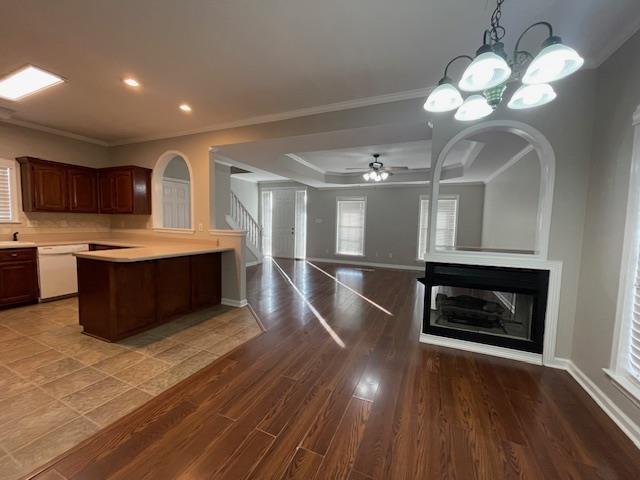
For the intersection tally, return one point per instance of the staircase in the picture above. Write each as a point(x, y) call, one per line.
point(239, 218)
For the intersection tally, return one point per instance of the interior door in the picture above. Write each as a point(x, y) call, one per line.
point(283, 223)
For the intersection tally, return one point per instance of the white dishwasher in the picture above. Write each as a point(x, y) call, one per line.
point(57, 270)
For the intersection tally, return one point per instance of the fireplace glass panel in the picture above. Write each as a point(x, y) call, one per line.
point(504, 314)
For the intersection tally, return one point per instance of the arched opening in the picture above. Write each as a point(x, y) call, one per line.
point(173, 193)
point(515, 172)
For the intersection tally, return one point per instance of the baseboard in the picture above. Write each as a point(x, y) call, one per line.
point(628, 426)
point(234, 303)
point(483, 349)
point(347, 261)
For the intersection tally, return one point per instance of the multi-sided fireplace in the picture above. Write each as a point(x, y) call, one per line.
point(498, 306)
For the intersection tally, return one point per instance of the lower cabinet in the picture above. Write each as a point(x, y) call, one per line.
point(119, 299)
point(18, 277)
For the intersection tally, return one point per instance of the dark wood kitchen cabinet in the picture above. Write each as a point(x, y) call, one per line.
point(125, 190)
point(18, 276)
point(59, 187)
point(44, 185)
point(82, 184)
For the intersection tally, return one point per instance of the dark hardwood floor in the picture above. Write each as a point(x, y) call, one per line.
point(293, 403)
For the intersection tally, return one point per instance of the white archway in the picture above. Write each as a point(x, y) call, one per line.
point(157, 193)
point(547, 160)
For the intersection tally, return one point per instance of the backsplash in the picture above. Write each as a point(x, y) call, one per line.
point(38, 223)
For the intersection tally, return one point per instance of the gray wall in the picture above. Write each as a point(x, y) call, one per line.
point(391, 221)
point(618, 94)
point(511, 206)
point(247, 193)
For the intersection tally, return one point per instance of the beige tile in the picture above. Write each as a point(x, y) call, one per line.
point(22, 431)
point(142, 371)
point(19, 348)
point(55, 442)
point(177, 354)
point(177, 373)
point(224, 346)
point(50, 475)
point(18, 406)
point(32, 325)
point(246, 334)
point(73, 382)
point(188, 334)
point(11, 384)
point(95, 395)
point(119, 362)
point(118, 407)
point(11, 470)
point(28, 365)
point(55, 370)
point(207, 340)
point(148, 344)
point(7, 334)
point(97, 352)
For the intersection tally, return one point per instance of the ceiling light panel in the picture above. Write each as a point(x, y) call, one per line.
point(27, 81)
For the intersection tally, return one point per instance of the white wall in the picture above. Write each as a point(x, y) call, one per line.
point(511, 206)
point(247, 193)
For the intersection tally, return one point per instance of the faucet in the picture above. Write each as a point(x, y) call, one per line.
point(15, 236)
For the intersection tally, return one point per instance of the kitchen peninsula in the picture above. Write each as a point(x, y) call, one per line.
point(124, 291)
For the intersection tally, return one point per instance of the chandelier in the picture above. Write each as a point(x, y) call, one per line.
point(376, 172)
point(486, 78)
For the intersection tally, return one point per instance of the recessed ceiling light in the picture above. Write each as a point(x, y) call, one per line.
point(27, 81)
point(185, 107)
point(131, 82)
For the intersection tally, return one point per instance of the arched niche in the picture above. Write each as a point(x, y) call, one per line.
point(547, 160)
point(173, 198)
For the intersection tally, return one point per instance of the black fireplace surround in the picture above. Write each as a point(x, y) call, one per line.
point(498, 306)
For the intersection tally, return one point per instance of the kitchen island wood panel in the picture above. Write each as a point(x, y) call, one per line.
point(119, 299)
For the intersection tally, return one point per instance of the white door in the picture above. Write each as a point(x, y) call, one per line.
point(283, 223)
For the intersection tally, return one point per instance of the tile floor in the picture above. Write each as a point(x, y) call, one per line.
point(57, 386)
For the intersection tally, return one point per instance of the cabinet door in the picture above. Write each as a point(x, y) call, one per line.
point(49, 188)
point(18, 282)
point(206, 287)
point(82, 190)
point(123, 181)
point(106, 192)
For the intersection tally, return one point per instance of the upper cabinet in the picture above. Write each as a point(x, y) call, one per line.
point(59, 187)
point(44, 185)
point(83, 189)
point(125, 190)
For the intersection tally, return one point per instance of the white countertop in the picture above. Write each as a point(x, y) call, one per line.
point(12, 244)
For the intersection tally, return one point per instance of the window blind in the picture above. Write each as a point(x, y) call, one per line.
point(446, 227)
point(634, 337)
point(6, 200)
point(350, 227)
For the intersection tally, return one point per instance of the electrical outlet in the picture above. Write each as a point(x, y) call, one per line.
point(200, 227)
point(391, 255)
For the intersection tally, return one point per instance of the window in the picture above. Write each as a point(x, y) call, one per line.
point(447, 223)
point(350, 222)
point(8, 192)
point(172, 196)
point(625, 357)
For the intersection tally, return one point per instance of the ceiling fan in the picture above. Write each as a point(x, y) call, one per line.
point(377, 172)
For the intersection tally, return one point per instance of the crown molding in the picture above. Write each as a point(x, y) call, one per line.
point(54, 131)
point(288, 115)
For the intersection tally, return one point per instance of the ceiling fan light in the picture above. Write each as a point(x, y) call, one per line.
point(474, 107)
point(486, 71)
point(366, 176)
point(529, 96)
point(444, 98)
point(384, 175)
point(554, 62)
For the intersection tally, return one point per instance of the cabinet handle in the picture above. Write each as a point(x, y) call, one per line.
point(14, 254)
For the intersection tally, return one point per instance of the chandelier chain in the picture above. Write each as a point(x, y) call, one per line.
point(497, 31)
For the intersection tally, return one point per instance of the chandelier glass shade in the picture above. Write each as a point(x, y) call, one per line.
point(489, 74)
